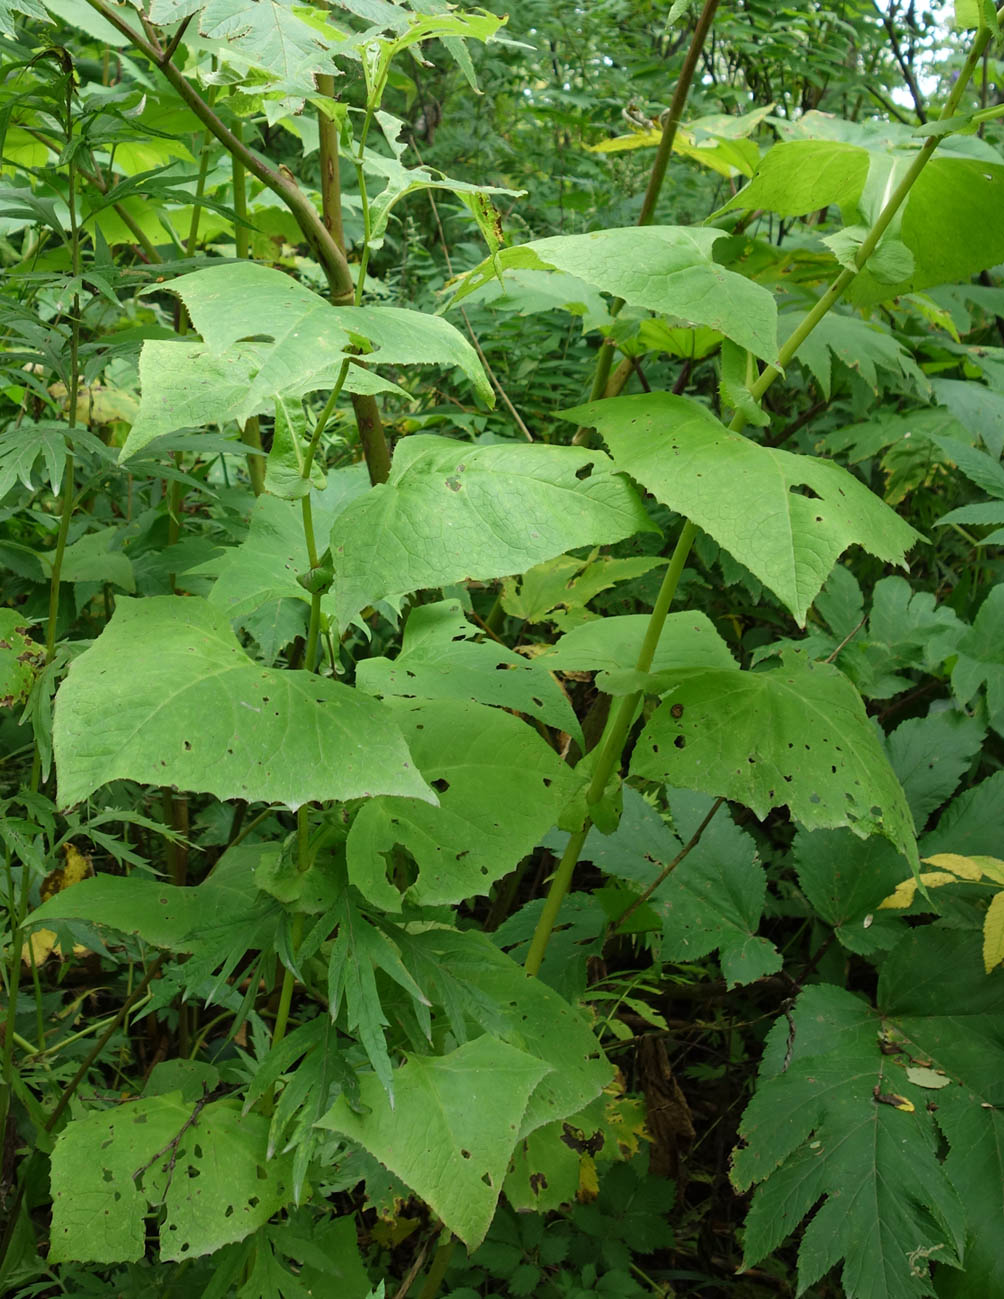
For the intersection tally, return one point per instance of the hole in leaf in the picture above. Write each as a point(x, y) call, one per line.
point(440, 785)
point(676, 711)
point(680, 742)
point(583, 472)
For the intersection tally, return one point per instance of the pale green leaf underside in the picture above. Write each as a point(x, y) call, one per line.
point(745, 495)
point(612, 644)
point(219, 1189)
point(453, 1127)
point(796, 736)
point(668, 269)
point(203, 716)
point(500, 787)
point(440, 659)
point(451, 511)
point(950, 221)
point(307, 340)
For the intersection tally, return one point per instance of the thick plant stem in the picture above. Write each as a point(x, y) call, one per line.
point(616, 733)
point(331, 182)
point(670, 124)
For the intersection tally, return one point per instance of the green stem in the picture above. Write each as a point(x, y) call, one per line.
point(670, 124)
point(615, 736)
point(331, 181)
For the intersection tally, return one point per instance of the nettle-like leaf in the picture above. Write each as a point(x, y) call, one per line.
point(845, 881)
point(795, 736)
point(948, 222)
point(852, 1118)
point(206, 1164)
point(451, 511)
point(273, 37)
point(747, 496)
point(500, 788)
point(981, 658)
point(203, 716)
point(452, 1129)
point(441, 659)
point(668, 269)
point(712, 900)
point(233, 375)
point(27, 8)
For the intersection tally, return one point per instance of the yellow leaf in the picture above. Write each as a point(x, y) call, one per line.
point(966, 868)
point(77, 866)
point(993, 933)
point(589, 1183)
point(902, 897)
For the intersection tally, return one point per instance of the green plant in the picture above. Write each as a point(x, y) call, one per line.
point(339, 1010)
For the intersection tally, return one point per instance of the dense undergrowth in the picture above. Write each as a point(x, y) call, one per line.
point(501, 649)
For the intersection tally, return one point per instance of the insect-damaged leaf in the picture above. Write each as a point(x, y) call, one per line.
point(451, 511)
point(203, 716)
point(788, 518)
point(797, 735)
point(206, 1164)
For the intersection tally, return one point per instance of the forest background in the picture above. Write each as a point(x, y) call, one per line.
point(501, 649)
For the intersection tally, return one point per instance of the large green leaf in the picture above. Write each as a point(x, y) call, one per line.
point(797, 735)
point(669, 269)
point(201, 715)
point(748, 496)
point(452, 1129)
point(441, 659)
point(845, 881)
point(221, 918)
point(981, 658)
point(207, 1165)
point(234, 307)
point(500, 787)
point(949, 221)
point(452, 511)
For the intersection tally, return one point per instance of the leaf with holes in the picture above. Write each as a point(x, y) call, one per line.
point(500, 788)
point(748, 496)
point(453, 1127)
point(206, 1165)
point(452, 511)
point(203, 716)
point(441, 659)
point(796, 736)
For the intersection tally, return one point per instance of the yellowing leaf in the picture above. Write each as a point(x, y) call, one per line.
point(39, 946)
point(904, 893)
point(967, 868)
point(993, 933)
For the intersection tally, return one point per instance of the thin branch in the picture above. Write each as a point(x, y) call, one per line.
point(665, 873)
